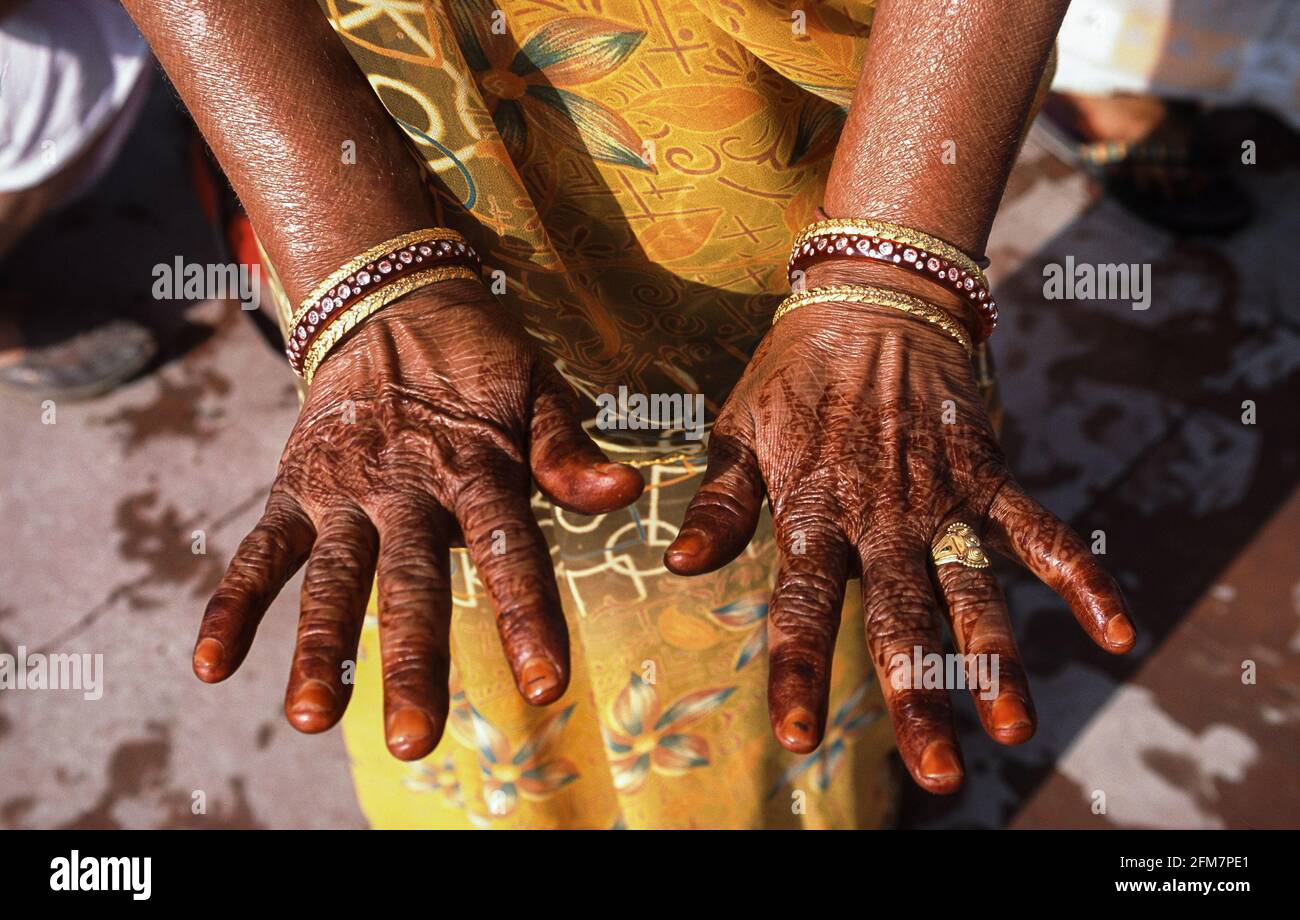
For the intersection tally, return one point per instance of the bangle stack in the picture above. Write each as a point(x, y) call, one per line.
point(892, 244)
point(372, 280)
point(880, 297)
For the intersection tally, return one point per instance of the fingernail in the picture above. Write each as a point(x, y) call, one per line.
point(208, 655)
point(798, 730)
point(538, 678)
point(1119, 632)
point(312, 697)
point(408, 727)
point(939, 762)
point(1009, 712)
point(689, 543)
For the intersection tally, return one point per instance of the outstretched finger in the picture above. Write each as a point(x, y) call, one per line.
point(414, 579)
point(334, 594)
point(264, 561)
point(901, 628)
point(981, 628)
point(1049, 548)
point(510, 553)
point(803, 620)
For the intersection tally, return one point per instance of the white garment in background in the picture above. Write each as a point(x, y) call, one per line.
point(68, 68)
point(1220, 52)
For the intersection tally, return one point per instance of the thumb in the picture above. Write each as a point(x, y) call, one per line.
point(569, 468)
point(721, 518)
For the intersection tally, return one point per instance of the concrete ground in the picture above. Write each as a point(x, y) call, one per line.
point(1123, 421)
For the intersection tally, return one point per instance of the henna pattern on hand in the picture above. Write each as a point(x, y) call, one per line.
point(867, 433)
point(429, 422)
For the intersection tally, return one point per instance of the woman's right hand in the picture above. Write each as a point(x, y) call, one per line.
point(422, 426)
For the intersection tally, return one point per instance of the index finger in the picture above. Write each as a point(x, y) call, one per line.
point(802, 623)
point(510, 553)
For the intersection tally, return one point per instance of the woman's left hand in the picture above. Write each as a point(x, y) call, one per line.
point(866, 431)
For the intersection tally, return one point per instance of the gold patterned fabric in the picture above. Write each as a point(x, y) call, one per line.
point(633, 172)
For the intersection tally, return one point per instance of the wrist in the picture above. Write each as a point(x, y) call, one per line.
point(381, 345)
point(367, 283)
point(848, 327)
point(876, 274)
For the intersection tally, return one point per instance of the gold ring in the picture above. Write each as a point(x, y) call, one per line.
point(961, 545)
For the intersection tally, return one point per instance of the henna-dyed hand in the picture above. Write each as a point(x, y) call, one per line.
point(840, 421)
point(422, 427)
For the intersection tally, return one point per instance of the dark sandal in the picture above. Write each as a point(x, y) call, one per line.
point(87, 364)
point(1172, 185)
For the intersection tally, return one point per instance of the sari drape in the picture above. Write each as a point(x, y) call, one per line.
point(634, 172)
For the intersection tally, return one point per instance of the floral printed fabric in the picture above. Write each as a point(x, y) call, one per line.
point(634, 170)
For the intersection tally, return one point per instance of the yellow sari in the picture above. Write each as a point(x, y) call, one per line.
point(634, 171)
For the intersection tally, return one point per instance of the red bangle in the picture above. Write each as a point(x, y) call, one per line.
point(982, 262)
point(369, 274)
point(903, 247)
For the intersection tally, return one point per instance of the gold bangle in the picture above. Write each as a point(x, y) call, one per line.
point(367, 282)
point(879, 297)
point(895, 232)
point(346, 321)
point(352, 266)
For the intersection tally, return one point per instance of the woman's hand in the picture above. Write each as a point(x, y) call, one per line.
point(421, 427)
point(866, 431)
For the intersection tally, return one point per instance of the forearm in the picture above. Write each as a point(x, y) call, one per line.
point(276, 95)
point(939, 111)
